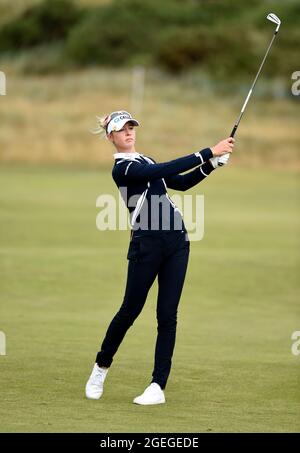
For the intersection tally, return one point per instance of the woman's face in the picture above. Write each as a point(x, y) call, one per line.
point(124, 139)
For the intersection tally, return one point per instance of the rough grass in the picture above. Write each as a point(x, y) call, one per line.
point(48, 119)
point(62, 281)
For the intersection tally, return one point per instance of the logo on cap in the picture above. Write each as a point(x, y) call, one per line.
point(122, 117)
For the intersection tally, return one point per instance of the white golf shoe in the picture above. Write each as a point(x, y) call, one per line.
point(152, 395)
point(94, 386)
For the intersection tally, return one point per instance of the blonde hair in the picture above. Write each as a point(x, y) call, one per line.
point(102, 123)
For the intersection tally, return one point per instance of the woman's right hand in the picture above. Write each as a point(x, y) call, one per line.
point(223, 147)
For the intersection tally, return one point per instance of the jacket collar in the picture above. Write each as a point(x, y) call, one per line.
point(127, 155)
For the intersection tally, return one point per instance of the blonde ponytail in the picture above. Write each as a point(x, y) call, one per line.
point(102, 123)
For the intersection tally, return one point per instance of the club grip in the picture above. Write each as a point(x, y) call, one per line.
point(233, 131)
point(231, 135)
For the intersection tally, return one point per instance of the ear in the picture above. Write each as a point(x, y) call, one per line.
point(110, 137)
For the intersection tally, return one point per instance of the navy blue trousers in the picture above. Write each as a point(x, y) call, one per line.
point(164, 255)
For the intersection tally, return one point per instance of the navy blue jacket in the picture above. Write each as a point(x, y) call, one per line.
point(143, 185)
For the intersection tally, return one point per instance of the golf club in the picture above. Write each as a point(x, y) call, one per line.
point(273, 18)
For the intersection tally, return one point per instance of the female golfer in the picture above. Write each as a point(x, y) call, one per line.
point(159, 245)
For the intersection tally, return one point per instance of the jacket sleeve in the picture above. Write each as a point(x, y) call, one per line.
point(139, 171)
point(185, 182)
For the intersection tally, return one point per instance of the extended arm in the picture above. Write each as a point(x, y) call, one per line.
point(185, 182)
point(139, 171)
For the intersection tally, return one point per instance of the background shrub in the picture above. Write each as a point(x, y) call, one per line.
point(46, 22)
point(176, 35)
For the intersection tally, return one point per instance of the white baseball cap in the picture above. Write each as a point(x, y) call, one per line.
point(116, 121)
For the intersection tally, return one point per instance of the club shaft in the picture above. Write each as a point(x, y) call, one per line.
point(252, 87)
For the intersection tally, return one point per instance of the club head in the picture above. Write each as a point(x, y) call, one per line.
point(273, 18)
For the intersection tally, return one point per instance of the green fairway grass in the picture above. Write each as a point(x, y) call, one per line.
point(62, 280)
